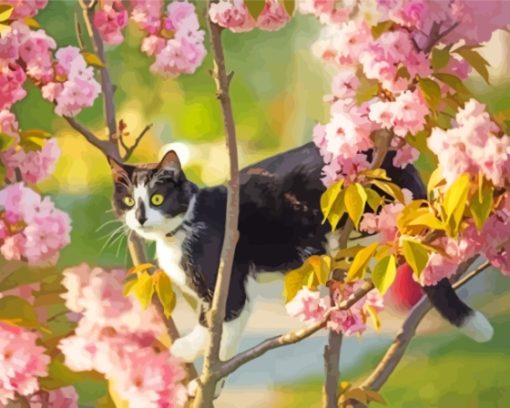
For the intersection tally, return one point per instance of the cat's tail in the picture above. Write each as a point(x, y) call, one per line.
point(470, 322)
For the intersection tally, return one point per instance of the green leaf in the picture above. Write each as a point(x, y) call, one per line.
point(5, 141)
point(389, 188)
point(431, 91)
point(143, 289)
point(381, 28)
point(35, 133)
point(5, 12)
point(290, 6)
point(455, 202)
point(31, 144)
point(474, 59)
point(440, 58)
point(366, 90)
point(355, 199)
point(255, 7)
point(329, 197)
point(436, 179)
point(416, 255)
point(165, 292)
point(59, 375)
point(481, 204)
point(360, 262)
point(384, 274)
point(453, 82)
point(93, 59)
point(18, 312)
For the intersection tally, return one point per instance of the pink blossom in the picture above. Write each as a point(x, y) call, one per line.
point(179, 56)
point(273, 16)
point(12, 78)
point(35, 50)
point(116, 337)
point(344, 85)
point(232, 14)
point(307, 306)
point(110, 20)
point(147, 14)
point(65, 397)
point(405, 155)
point(153, 45)
point(181, 17)
point(22, 361)
point(13, 247)
point(25, 8)
point(471, 146)
point(8, 123)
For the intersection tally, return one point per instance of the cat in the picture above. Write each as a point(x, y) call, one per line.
point(280, 225)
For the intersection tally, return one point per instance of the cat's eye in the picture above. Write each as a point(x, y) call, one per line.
point(128, 201)
point(157, 199)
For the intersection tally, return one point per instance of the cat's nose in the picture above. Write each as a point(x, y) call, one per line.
point(140, 213)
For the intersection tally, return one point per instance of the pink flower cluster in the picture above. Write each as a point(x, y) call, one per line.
point(31, 228)
point(74, 86)
point(22, 361)
point(474, 20)
point(472, 146)
point(175, 39)
point(234, 15)
point(310, 307)
point(110, 20)
point(25, 8)
point(117, 338)
point(33, 166)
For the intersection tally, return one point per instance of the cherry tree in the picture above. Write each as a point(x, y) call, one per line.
point(398, 86)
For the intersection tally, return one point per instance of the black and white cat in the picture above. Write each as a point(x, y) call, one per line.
point(280, 225)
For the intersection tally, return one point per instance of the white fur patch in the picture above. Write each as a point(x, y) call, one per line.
point(232, 333)
point(191, 346)
point(477, 327)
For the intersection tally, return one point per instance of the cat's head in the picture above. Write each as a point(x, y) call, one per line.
point(151, 198)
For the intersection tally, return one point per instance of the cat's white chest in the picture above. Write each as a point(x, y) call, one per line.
point(169, 254)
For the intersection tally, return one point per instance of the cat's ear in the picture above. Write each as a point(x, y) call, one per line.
point(119, 171)
point(170, 165)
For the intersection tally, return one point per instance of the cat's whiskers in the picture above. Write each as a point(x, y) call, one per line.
point(106, 223)
point(113, 236)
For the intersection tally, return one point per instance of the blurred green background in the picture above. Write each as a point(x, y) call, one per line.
point(277, 93)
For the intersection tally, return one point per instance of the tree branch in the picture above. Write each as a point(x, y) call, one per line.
point(291, 337)
point(130, 150)
point(106, 83)
point(216, 316)
point(399, 346)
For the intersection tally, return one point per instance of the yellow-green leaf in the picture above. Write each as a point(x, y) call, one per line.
point(337, 212)
point(295, 280)
point(5, 12)
point(92, 59)
point(384, 274)
point(440, 57)
point(377, 174)
point(374, 396)
point(255, 7)
point(32, 22)
point(143, 289)
point(329, 198)
point(17, 311)
point(381, 28)
point(428, 220)
point(481, 204)
point(374, 316)
point(355, 199)
point(455, 202)
point(36, 133)
point(289, 5)
point(431, 91)
point(474, 59)
point(436, 179)
point(349, 252)
point(374, 200)
point(360, 262)
point(165, 292)
point(116, 398)
point(5, 141)
point(416, 255)
point(140, 268)
point(453, 82)
point(389, 188)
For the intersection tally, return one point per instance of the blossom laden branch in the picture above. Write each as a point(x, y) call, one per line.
point(130, 150)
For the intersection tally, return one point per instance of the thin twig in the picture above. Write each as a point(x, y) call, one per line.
point(215, 317)
point(79, 34)
point(130, 150)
